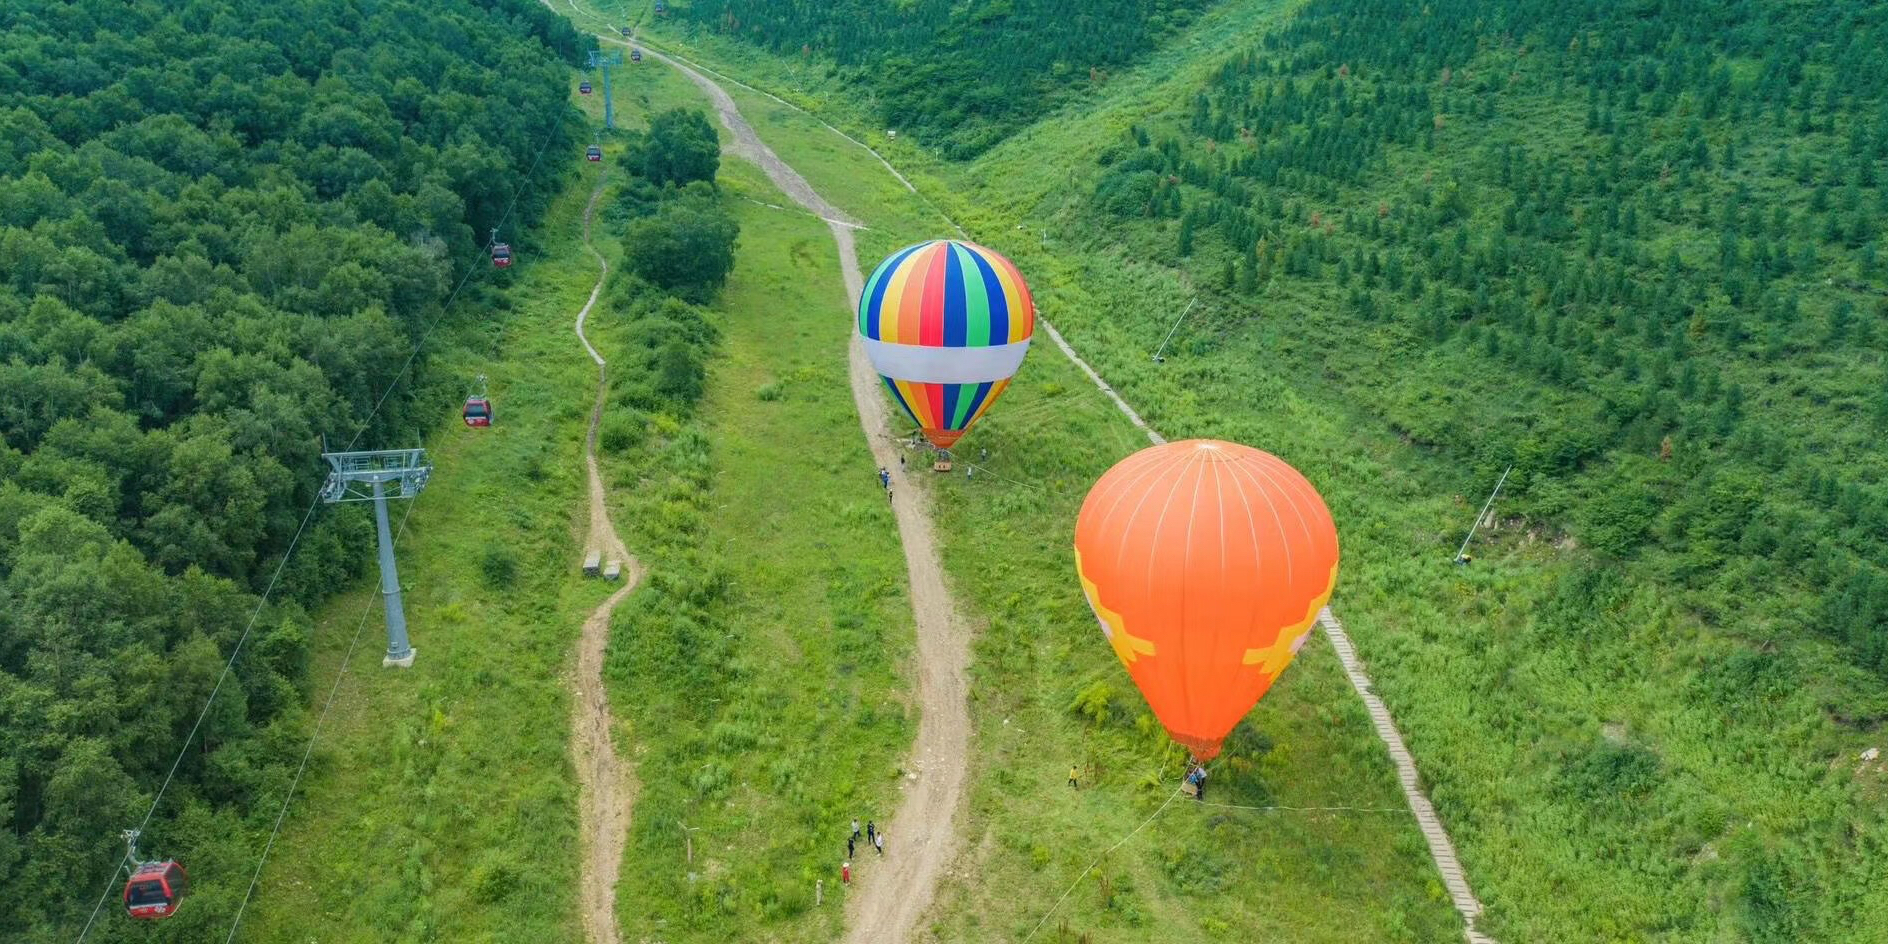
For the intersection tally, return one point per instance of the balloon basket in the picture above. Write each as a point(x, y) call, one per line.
point(942, 461)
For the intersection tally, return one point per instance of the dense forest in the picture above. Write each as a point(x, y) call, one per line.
point(1633, 249)
point(959, 76)
point(227, 225)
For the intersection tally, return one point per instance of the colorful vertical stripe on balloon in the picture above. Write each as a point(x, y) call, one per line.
point(946, 294)
point(927, 301)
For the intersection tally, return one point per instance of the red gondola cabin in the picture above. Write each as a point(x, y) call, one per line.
point(155, 890)
point(583, 89)
point(478, 412)
point(593, 153)
point(501, 255)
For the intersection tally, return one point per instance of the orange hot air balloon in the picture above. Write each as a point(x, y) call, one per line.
point(1206, 563)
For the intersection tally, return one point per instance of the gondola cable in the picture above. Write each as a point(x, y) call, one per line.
point(341, 675)
point(288, 554)
point(309, 751)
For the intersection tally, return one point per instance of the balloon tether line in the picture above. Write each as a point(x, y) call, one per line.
point(1098, 860)
point(1311, 809)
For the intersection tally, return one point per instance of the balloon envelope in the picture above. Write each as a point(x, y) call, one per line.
point(1206, 563)
point(946, 324)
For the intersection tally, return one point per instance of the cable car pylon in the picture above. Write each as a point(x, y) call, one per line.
point(602, 61)
point(407, 471)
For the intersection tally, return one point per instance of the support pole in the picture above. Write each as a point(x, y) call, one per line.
point(1459, 559)
point(1158, 359)
point(399, 652)
point(609, 101)
point(602, 61)
point(365, 476)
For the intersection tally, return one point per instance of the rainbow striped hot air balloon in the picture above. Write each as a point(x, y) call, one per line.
point(946, 324)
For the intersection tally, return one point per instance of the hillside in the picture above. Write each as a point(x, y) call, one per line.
point(1632, 249)
point(225, 230)
point(1629, 251)
point(1633, 252)
point(958, 76)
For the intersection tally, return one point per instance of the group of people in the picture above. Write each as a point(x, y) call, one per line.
point(874, 837)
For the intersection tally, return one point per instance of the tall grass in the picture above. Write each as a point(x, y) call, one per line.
point(440, 804)
point(1219, 873)
point(761, 671)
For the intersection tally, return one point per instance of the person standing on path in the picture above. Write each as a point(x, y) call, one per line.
point(851, 845)
point(855, 827)
point(884, 478)
point(1073, 771)
point(901, 462)
point(878, 842)
point(871, 833)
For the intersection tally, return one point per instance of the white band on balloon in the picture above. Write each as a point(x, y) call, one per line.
point(946, 365)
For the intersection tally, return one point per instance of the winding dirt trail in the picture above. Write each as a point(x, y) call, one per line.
point(903, 915)
point(606, 784)
point(889, 896)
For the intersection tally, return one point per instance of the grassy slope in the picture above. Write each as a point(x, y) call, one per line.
point(803, 715)
point(1509, 699)
point(766, 511)
point(440, 804)
point(1497, 691)
point(1244, 875)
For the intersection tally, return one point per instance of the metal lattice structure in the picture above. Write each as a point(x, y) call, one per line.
point(377, 476)
point(603, 61)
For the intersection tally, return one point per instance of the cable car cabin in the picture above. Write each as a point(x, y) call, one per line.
point(478, 412)
point(661, 7)
point(593, 153)
point(155, 890)
point(501, 255)
point(583, 89)
point(635, 55)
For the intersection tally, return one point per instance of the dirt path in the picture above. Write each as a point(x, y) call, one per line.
point(606, 784)
point(890, 894)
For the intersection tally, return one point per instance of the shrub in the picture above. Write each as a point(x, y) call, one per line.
point(679, 148)
point(620, 433)
point(499, 563)
point(686, 246)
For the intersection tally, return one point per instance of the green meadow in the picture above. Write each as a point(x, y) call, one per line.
point(1635, 728)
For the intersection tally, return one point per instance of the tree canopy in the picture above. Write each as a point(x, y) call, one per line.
point(960, 76)
point(686, 246)
point(679, 148)
point(225, 224)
